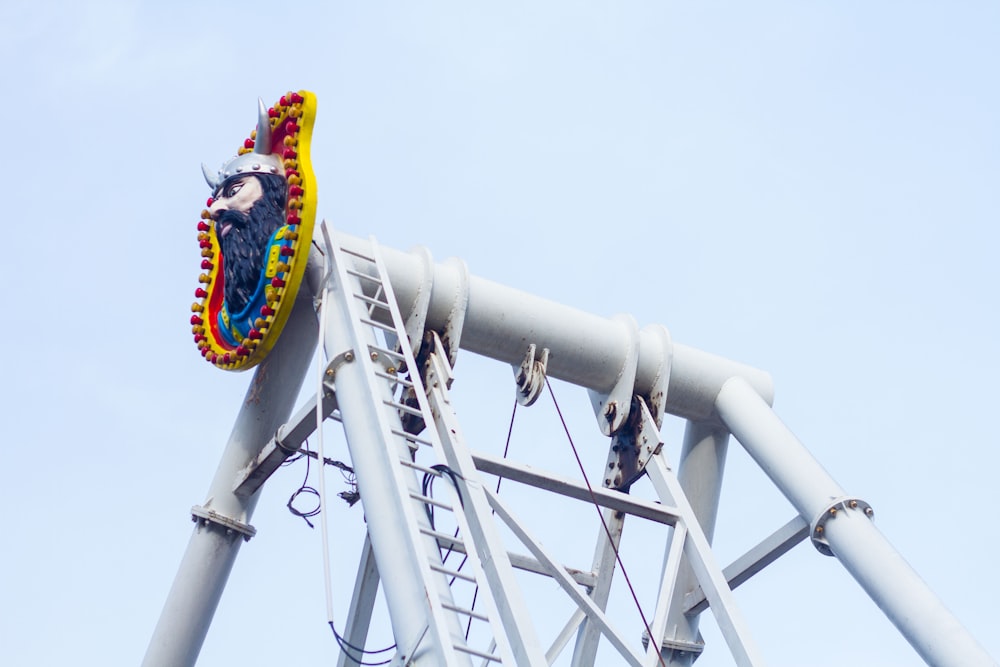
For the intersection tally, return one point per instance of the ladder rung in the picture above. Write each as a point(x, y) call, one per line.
point(371, 301)
point(364, 276)
point(450, 541)
point(423, 469)
point(412, 438)
point(393, 377)
point(405, 408)
point(466, 612)
point(479, 654)
point(355, 253)
point(431, 501)
point(453, 573)
point(391, 353)
point(379, 325)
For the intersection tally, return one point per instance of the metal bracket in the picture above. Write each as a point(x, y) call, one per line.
point(452, 334)
point(206, 516)
point(330, 374)
point(405, 657)
point(632, 448)
point(530, 376)
point(612, 409)
point(817, 529)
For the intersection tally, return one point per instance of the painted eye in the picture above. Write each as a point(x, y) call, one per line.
point(233, 189)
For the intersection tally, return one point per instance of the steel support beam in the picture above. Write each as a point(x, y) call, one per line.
point(851, 536)
point(211, 552)
point(588, 350)
point(700, 473)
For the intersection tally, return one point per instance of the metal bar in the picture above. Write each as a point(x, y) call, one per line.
point(519, 561)
point(740, 570)
point(559, 643)
point(605, 562)
point(420, 625)
point(548, 481)
point(211, 552)
point(852, 537)
point(284, 444)
point(491, 562)
point(564, 580)
point(672, 560)
point(500, 322)
point(362, 604)
point(699, 555)
point(701, 468)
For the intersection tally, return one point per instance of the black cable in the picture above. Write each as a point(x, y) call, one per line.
point(345, 645)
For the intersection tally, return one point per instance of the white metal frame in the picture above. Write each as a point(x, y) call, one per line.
point(717, 397)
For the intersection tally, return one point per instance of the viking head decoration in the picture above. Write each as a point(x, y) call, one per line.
point(259, 217)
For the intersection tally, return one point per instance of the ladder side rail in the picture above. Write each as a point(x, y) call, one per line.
point(513, 630)
point(513, 636)
point(423, 629)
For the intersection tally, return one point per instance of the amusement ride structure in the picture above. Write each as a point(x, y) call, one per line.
point(449, 553)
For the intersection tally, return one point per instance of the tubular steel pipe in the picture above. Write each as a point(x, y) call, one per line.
point(585, 349)
point(851, 536)
point(212, 550)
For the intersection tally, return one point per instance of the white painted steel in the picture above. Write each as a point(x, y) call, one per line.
point(423, 630)
point(883, 573)
point(702, 464)
point(359, 614)
point(588, 350)
point(483, 542)
point(698, 554)
point(211, 552)
point(605, 563)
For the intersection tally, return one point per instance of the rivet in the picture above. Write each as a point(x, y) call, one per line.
point(374, 356)
point(854, 504)
point(349, 356)
point(833, 511)
point(819, 529)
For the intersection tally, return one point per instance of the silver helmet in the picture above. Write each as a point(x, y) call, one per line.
point(258, 161)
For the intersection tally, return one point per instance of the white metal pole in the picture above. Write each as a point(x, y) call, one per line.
point(586, 349)
point(700, 472)
point(213, 547)
point(852, 537)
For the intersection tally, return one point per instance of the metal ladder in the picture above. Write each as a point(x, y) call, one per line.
point(474, 610)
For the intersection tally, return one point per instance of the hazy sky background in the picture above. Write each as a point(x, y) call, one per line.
point(807, 187)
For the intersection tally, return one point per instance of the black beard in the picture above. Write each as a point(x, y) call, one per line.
point(243, 248)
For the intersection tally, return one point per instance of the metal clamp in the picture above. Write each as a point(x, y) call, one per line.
point(632, 447)
point(530, 376)
point(345, 357)
point(817, 529)
point(612, 409)
point(205, 515)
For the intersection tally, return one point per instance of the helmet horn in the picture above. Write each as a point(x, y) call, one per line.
point(211, 177)
point(262, 144)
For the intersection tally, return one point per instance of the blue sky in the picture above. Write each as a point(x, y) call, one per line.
point(810, 188)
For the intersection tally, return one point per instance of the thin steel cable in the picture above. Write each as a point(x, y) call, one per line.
point(320, 389)
point(600, 514)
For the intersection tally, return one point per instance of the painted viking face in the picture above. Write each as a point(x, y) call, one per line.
point(247, 210)
point(237, 194)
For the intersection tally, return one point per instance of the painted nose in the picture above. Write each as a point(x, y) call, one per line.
point(217, 208)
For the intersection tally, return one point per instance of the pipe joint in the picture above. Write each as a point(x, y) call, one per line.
point(818, 527)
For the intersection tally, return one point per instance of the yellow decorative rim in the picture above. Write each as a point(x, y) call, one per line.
point(238, 346)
